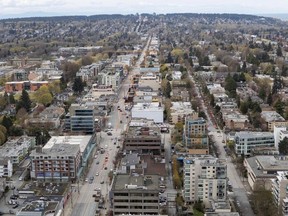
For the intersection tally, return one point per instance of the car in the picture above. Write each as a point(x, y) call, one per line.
point(121, 122)
point(86, 180)
point(109, 133)
point(91, 178)
point(118, 147)
point(105, 168)
point(114, 143)
point(97, 162)
point(102, 182)
point(15, 206)
point(97, 174)
point(13, 197)
point(127, 116)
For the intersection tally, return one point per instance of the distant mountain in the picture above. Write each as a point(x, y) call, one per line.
point(283, 17)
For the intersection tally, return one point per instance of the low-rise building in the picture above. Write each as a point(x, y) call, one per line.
point(144, 140)
point(135, 194)
point(49, 118)
point(262, 168)
point(17, 148)
point(279, 134)
point(24, 85)
point(272, 118)
point(205, 179)
point(180, 110)
point(246, 141)
point(235, 121)
point(152, 111)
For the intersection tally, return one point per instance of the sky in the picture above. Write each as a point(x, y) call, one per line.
point(30, 8)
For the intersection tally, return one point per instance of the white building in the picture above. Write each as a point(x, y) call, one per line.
point(279, 134)
point(16, 149)
point(279, 191)
point(205, 178)
point(246, 141)
point(6, 167)
point(152, 111)
point(176, 75)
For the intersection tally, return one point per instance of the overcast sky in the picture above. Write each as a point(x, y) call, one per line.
point(16, 8)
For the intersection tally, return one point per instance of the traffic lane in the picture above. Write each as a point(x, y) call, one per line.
point(244, 205)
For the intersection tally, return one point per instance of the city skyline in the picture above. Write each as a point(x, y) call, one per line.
point(31, 8)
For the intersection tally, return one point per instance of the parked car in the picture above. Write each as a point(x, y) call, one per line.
point(15, 206)
point(109, 133)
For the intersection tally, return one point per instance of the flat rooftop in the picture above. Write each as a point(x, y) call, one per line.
point(270, 116)
point(82, 141)
point(136, 182)
point(249, 134)
point(57, 150)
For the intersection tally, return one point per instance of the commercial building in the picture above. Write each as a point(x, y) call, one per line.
point(62, 158)
point(80, 119)
point(195, 134)
point(143, 140)
point(6, 167)
point(279, 191)
point(246, 141)
point(261, 169)
point(205, 178)
point(60, 162)
point(152, 111)
point(272, 118)
point(135, 195)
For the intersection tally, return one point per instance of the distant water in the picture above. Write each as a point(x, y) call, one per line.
point(283, 17)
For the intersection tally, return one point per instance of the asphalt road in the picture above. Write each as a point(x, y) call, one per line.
point(84, 203)
point(239, 191)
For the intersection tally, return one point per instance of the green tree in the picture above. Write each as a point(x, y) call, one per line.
point(24, 102)
point(78, 85)
point(7, 122)
point(283, 146)
point(2, 138)
point(269, 99)
point(279, 51)
point(11, 98)
point(45, 99)
point(244, 107)
point(279, 107)
point(230, 86)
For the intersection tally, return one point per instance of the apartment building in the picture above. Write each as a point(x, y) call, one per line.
point(205, 178)
point(180, 110)
point(17, 86)
point(195, 133)
point(135, 195)
point(262, 168)
point(17, 148)
point(6, 167)
point(272, 118)
point(279, 191)
point(143, 140)
point(60, 162)
point(246, 141)
point(80, 119)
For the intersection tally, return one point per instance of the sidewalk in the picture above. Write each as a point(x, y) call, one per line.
point(67, 211)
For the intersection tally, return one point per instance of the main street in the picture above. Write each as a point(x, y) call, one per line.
point(234, 178)
point(102, 164)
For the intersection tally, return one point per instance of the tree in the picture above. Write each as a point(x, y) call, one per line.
point(11, 98)
point(279, 107)
point(2, 138)
point(86, 60)
point(230, 85)
point(244, 107)
point(277, 85)
point(283, 146)
point(279, 51)
point(43, 95)
point(78, 85)
point(269, 99)
point(24, 102)
point(7, 122)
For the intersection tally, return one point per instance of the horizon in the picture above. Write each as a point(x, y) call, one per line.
point(48, 8)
